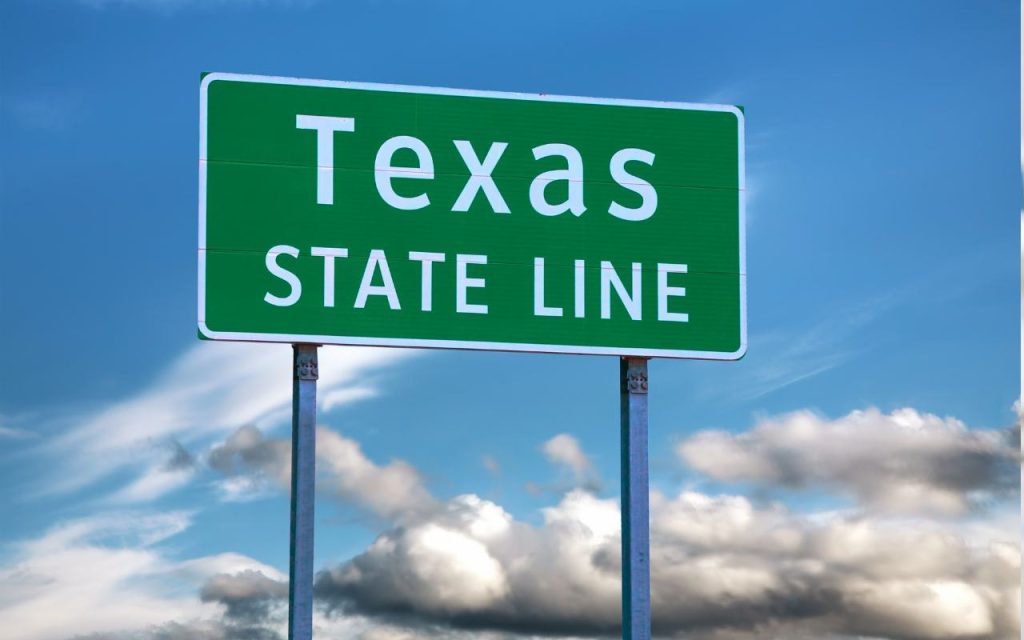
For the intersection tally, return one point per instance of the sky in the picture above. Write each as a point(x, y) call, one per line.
point(855, 475)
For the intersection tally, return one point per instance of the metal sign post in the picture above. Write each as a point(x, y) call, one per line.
point(636, 564)
point(300, 565)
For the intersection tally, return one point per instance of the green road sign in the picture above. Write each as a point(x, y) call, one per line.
point(345, 213)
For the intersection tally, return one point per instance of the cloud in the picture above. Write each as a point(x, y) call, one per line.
point(906, 461)
point(109, 576)
point(392, 490)
point(385, 631)
point(473, 564)
point(249, 597)
point(784, 358)
point(565, 450)
point(721, 568)
point(246, 451)
point(191, 630)
point(14, 434)
point(491, 464)
point(209, 391)
point(340, 397)
point(92, 575)
point(251, 461)
point(174, 469)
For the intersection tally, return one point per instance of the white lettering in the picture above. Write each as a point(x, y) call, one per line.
point(325, 126)
point(367, 288)
point(426, 260)
point(539, 308)
point(572, 174)
point(665, 291)
point(649, 202)
point(610, 279)
point(329, 254)
point(284, 274)
point(385, 172)
point(581, 275)
point(480, 177)
point(464, 282)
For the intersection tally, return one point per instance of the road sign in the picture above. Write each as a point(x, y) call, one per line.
point(346, 213)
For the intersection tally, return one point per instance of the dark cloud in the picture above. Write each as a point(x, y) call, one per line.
point(248, 597)
point(180, 458)
point(247, 451)
point(1014, 432)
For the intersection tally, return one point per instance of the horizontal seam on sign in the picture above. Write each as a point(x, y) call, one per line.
point(400, 170)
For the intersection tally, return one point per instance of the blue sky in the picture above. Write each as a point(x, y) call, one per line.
point(883, 167)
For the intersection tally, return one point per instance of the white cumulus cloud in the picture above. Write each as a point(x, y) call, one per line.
point(720, 565)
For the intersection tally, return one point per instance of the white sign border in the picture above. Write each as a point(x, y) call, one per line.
point(206, 332)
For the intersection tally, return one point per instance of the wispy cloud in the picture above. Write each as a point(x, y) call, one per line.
point(110, 576)
point(174, 469)
point(784, 358)
point(91, 575)
point(211, 390)
point(14, 434)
